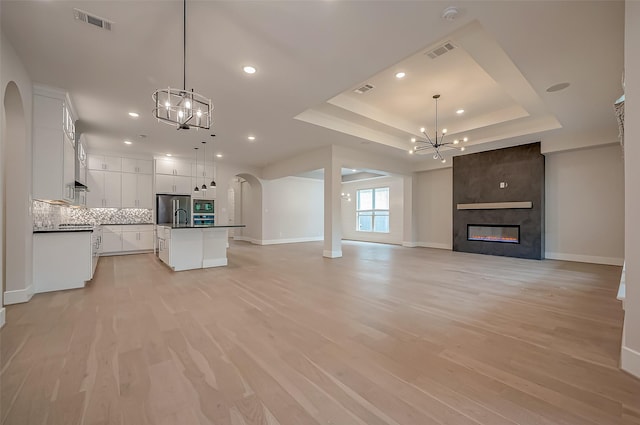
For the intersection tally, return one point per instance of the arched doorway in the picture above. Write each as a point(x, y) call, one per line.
point(245, 191)
point(16, 264)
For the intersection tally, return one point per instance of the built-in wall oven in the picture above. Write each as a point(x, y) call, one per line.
point(203, 212)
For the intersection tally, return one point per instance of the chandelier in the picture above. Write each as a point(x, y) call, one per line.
point(181, 107)
point(438, 140)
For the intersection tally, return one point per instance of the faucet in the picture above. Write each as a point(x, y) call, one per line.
point(177, 214)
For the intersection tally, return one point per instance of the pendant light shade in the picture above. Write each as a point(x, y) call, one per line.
point(196, 189)
point(213, 164)
point(204, 167)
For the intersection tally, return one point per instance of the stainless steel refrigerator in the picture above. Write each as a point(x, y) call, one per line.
point(173, 209)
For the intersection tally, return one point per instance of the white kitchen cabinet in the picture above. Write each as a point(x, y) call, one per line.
point(138, 166)
point(202, 170)
point(104, 162)
point(137, 237)
point(173, 184)
point(53, 175)
point(164, 244)
point(175, 167)
point(111, 239)
point(137, 191)
point(62, 260)
point(127, 238)
point(105, 189)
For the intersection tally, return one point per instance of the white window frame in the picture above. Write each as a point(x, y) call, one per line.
point(372, 212)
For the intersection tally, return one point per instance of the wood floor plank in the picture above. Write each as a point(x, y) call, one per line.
point(281, 336)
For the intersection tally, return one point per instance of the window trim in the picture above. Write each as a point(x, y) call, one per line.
point(372, 212)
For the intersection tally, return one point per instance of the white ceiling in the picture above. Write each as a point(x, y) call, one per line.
point(310, 55)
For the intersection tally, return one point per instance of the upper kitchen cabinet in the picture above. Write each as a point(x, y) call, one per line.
point(137, 190)
point(53, 145)
point(138, 166)
point(104, 163)
point(175, 167)
point(105, 189)
point(173, 176)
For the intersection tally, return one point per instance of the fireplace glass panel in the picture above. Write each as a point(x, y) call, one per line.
point(493, 233)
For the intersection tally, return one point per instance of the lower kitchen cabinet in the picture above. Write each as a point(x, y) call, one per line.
point(125, 239)
point(63, 260)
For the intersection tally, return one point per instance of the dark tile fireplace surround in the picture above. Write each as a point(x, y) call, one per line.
point(498, 202)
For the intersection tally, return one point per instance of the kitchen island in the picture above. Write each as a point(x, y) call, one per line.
point(188, 247)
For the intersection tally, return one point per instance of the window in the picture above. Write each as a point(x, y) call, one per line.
point(372, 210)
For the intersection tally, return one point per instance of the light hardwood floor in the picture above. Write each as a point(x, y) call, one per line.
point(383, 336)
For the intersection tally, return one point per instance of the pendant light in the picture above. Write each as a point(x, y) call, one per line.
point(213, 165)
point(204, 167)
point(182, 108)
point(438, 139)
point(196, 189)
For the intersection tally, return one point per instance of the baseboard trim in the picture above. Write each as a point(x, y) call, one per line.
point(2, 317)
point(19, 296)
point(291, 240)
point(247, 239)
point(332, 254)
point(410, 244)
point(630, 361)
point(110, 254)
point(611, 261)
point(434, 245)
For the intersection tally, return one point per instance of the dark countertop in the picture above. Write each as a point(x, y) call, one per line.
point(199, 226)
point(127, 224)
point(63, 230)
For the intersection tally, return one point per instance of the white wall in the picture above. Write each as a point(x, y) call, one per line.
point(249, 214)
point(631, 339)
point(435, 203)
point(396, 210)
point(293, 210)
point(18, 214)
point(584, 205)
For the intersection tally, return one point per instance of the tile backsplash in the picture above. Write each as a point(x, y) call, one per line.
point(49, 216)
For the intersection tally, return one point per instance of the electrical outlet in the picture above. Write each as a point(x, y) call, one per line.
point(503, 185)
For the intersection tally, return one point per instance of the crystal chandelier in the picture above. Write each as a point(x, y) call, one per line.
point(438, 140)
point(180, 107)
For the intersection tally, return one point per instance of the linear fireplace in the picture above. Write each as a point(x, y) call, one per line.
point(493, 233)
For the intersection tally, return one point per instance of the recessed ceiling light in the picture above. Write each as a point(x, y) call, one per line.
point(134, 114)
point(558, 87)
point(219, 155)
point(127, 142)
point(252, 138)
point(410, 152)
point(400, 75)
point(353, 170)
point(168, 154)
point(460, 111)
point(249, 69)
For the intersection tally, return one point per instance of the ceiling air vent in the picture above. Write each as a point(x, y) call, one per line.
point(363, 89)
point(440, 50)
point(83, 16)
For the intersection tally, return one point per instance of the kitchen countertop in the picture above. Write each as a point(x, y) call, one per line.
point(127, 224)
point(199, 226)
point(83, 229)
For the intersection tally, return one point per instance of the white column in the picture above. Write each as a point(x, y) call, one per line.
point(332, 209)
point(410, 219)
